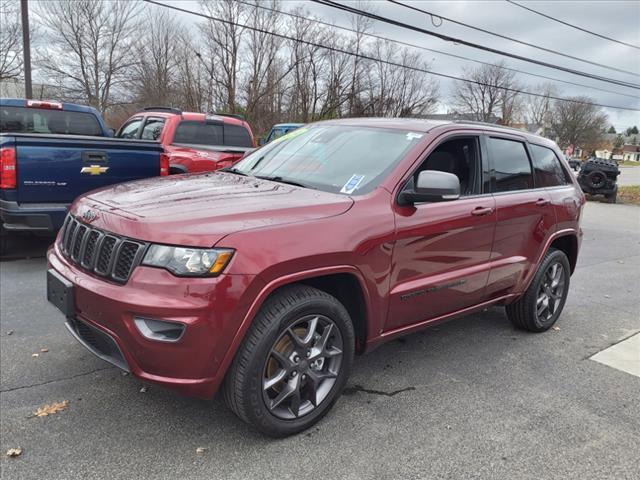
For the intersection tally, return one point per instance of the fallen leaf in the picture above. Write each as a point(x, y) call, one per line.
point(51, 409)
point(10, 332)
point(557, 329)
point(607, 296)
point(620, 261)
point(44, 350)
point(201, 450)
point(35, 354)
point(14, 452)
point(143, 390)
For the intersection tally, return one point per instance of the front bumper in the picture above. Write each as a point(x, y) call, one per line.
point(35, 217)
point(210, 308)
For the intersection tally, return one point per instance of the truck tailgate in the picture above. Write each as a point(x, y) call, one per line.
point(57, 169)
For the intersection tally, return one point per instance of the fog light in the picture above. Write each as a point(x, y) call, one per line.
point(159, 330)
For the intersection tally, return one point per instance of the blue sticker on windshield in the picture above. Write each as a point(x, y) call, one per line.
point(352, 184)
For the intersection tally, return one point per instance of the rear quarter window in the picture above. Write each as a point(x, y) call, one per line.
point(41, 120)
point(547, 167)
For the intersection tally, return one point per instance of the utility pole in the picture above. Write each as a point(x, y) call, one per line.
point(26, 48)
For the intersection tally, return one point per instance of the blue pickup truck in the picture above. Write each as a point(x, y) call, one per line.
point(52, 152)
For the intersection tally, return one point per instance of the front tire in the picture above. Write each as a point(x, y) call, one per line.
point(541, 305)
point(293, 363)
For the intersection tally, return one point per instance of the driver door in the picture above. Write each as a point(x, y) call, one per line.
point(442, 249)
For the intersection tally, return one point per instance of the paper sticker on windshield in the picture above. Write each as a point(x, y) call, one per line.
point(352, 184)
point(413, 136)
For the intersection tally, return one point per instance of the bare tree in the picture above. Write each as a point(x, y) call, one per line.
point(264, 64)
point(89, 48)
point(399, 91)
point(222, 49)
point(10, 40)
point(486, 96)
point(155, 75)
point(539, 109)
point(579, 124)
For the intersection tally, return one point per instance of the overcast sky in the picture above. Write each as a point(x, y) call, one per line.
point(616, 19)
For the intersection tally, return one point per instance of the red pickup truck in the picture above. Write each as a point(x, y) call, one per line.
point(265, 279)
point(194, 142)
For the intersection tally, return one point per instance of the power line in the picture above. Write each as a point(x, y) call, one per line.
point(412, 45)
point(346, 8)
point(379, 60)
point(573, 26)
point(504, 37)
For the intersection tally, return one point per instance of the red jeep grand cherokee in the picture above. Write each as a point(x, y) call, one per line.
point(266, 279)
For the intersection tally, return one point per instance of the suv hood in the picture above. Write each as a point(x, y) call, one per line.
point(201, 209)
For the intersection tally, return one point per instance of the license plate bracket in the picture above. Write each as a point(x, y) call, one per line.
point(60, 293)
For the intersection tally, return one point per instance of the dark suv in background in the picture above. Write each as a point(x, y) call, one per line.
point(267, 278)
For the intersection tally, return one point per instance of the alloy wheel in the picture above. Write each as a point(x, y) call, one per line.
point(551, 292)
point(302, 367)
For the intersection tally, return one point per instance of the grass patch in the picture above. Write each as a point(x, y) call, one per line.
point(629, 163)
point(629, 194)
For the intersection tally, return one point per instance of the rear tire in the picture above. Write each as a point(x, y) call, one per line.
point(541, 305)
point(293, 362)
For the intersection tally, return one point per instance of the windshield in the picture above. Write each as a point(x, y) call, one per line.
point(332, 158)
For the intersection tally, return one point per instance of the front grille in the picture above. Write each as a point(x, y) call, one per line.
point(102, 253)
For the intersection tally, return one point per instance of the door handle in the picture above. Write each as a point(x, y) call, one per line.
point(479, 211)
point(95, 156)
point(543, 202)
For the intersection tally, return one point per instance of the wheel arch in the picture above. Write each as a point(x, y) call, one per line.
point(175, 169)
point(567, 243)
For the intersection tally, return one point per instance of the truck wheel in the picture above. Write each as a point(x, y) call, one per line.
point(596, 179)
point(293, 362)
point(539, 308)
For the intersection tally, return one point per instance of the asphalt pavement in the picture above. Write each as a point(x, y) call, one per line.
point(473, 398)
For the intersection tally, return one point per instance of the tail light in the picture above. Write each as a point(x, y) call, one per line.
point(47, 105)
point(8, 167)
point(164, 164)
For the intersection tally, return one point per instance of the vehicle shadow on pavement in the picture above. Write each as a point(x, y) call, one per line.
point(18, 246)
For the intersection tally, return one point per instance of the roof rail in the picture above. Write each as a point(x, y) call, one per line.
point(163, 109)
point(232, 115)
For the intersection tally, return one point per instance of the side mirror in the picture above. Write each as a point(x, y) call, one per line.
point(112, 131)
point(432, 186)
point(262, 141)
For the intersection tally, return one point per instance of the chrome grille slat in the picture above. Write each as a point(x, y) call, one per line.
point(99, 252)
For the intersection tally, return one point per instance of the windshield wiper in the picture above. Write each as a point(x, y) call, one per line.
point(279, 179)
point(233, 170)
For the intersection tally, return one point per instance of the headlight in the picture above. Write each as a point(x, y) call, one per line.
point(188, 262)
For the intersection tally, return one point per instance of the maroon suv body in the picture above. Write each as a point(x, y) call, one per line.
point(293, 280)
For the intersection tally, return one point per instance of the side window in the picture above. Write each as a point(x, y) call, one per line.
point(130, 130)
point(237, 136)
point(547, 167)
point(510, 165)
point(459, 156)
point(152, 129)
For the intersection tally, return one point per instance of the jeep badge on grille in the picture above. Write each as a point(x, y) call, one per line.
point(89, 216)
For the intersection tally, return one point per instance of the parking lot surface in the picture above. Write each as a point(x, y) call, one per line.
point(473, 398)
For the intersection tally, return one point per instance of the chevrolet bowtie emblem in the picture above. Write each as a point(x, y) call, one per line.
point(94, 170)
